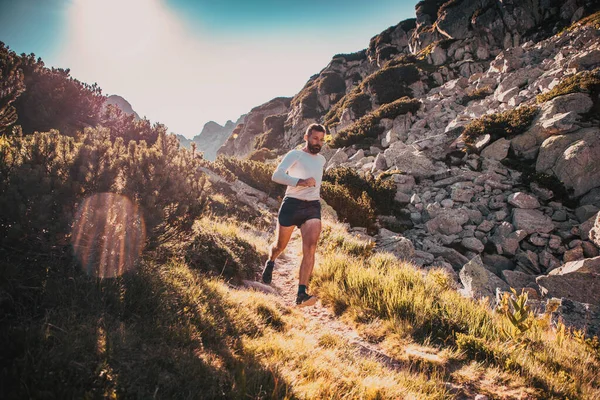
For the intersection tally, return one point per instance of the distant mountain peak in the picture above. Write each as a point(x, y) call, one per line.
point(123, 104)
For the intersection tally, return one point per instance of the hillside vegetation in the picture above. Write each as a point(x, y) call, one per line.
point(126, 266)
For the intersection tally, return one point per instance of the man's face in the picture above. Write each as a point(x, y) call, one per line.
point(315, 141)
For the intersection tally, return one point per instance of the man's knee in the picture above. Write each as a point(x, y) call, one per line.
point(309, 248)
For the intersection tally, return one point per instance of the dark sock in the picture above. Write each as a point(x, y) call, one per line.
point(301, 289)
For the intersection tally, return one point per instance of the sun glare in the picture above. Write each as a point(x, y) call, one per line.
point(108, 235)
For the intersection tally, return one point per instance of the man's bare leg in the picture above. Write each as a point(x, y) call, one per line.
point(283, 234)
point(310, 230)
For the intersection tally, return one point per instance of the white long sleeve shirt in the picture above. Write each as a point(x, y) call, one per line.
point(296, 165)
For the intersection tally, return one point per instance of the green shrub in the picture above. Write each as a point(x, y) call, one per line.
point(403, 59)
point(365, 127)
point(307, 99)
point(382, 192)
point(399, 107)
point(254, 173)
point(356, 211)
point(387, 52)
point(507, 124)
point(358, 101)
point(368, 125)
point(477, 94)
point(332, 82)
point(592, 20)
point(11, 87)
point(584, 82)
point(391, 83)
point(358, 56)
point(46, 175)
point(262, 154)
point(217, 254)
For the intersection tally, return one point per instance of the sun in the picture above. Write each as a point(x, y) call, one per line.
point(118, 29)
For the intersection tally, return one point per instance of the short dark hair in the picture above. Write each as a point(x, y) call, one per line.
point(315, 127)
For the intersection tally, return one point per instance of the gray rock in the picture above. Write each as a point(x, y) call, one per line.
point(594, 233)
point(523, 200)
point(379, 164)
point(486, 226)
point(585, 212)
point(527, 261)
point(592, 197)
point(497, 263)
point(591, 265)
point(548, 261)
point(532, 221)
point(576, 314)
point(396, 244)
point(258, 286)
point(359, 155)
point(452, 256)
point(518, 280)
point(474, 244)
point(577, 167)
point(497, 150)
point(404, 183)
point(446, 221)
point(581, 287)
point(462, 195)
point(339, 157)
point(478, 282)
point(589, 250)
point(409, 160)
point(573, 254)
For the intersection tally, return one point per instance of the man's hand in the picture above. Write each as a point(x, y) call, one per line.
point(309, 182)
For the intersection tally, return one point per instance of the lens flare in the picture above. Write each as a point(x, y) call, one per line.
point(108, 235)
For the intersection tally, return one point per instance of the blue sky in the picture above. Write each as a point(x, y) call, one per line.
point(183, 62)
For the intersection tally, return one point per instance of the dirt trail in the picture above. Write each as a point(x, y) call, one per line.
point(285, 282)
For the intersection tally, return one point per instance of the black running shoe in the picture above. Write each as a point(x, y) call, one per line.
point(267, 274)
point(305, 299)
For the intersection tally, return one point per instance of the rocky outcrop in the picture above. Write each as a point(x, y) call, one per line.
point(242, 143)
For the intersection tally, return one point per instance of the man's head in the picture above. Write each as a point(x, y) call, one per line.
point(314, 136)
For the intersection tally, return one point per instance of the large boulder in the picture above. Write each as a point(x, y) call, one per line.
point(391, 242)
point(557, 117)
point(582, 316)
point(588, 265)
point(518, 280)
point(594, 232)
point(409, 160)
point(446, 221)
point(497, 150)
point(531, 221)
point(583, 286)
point(523, 200)
point(578, 166)
point(452, 256)
point(478, 282)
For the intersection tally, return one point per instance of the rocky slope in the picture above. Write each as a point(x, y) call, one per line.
point(243, 140)
point(497, 165)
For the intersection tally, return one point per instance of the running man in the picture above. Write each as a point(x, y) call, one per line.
point(301, 171)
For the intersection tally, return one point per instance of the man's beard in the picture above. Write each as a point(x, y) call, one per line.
point(314, 149)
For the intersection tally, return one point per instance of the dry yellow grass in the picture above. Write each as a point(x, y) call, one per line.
point(417, 316)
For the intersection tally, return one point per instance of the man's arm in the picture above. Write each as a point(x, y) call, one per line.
point(281, 176)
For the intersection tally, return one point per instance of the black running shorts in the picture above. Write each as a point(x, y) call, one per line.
point(294, 211)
